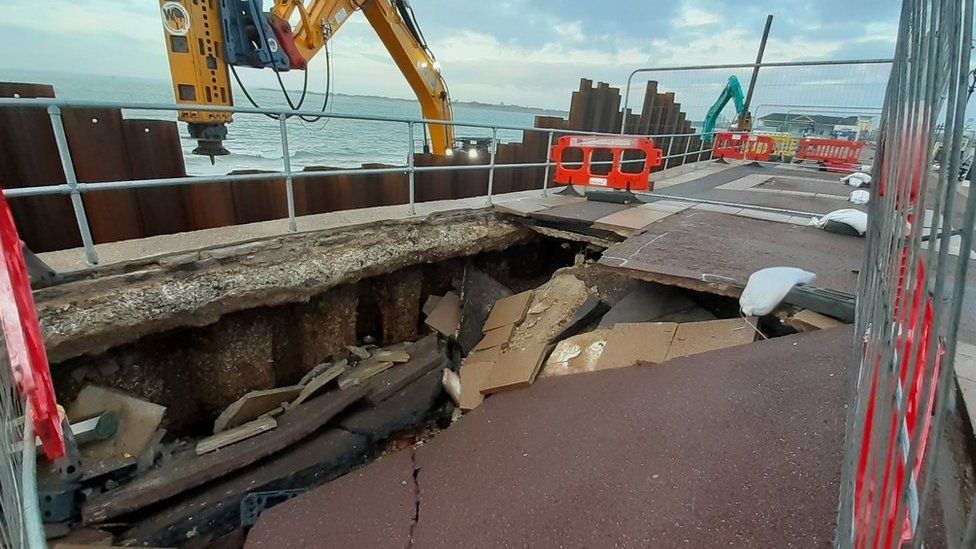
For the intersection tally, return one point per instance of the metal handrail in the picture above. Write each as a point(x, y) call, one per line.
point(75, 189)
point(635, 72)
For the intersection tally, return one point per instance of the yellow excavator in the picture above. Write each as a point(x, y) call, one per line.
point(207, 39)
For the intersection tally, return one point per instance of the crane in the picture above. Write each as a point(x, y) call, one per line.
point(733, 92)
point(207, 39)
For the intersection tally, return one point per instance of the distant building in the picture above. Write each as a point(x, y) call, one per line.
point(815, 124)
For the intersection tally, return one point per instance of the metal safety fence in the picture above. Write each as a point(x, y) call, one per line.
point(911, 296)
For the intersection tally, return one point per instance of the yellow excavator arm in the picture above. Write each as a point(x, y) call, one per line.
point(203, 41)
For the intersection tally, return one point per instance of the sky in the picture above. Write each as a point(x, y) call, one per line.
point(526, 52)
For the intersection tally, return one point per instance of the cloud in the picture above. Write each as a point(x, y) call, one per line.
point(517, 51)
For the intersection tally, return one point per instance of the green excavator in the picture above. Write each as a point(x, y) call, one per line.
point(733, 92)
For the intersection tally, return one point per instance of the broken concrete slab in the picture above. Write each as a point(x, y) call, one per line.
point(587, 313)
point(510, 310)
point(807, 320)
point(553, 306)
point(647, 302)
point(488, 355)
point(628, 344)
point(479, 293)
point(495, 337)
point(474, 374)
point(190, 470)
point(138, 421)
point(698, 337)
point(406, 408)
point(516, 367)
point(236, 434)
point(319, 383)
point(253, 405)
point(384, 522)
point(576, 354)
point(446, 316)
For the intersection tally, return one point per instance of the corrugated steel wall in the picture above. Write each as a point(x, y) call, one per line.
point(106, 147)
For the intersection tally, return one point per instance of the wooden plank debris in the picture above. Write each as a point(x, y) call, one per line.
point(237, 434)
point(630, 343)
point(510, 310)
point(253, 405)
point(138, 421)
point(319, 383)
point(190, 470)
point(425, 355)
point(320, 368)
point(446, 316)
point(516, 367)
point(363, 371)
point(698, 337)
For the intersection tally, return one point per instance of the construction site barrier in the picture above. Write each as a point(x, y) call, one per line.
point(614, 178)
point(785, 144)
point(743, 146)
point(23, 341)
point(833, 153)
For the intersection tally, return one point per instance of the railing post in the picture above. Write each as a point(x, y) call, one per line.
point(91, 256)
point(491, 161)
point(684, 157)
point(545, 178)
point(411, 169)
point(667, 155)
point(289, 186)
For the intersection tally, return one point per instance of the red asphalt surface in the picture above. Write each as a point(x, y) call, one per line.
point(734, 448)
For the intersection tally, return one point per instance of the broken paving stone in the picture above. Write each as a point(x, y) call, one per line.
point(576, 354)
point(479, 293)
point(516, 367)
point(253, 405)
point(474, 374)
point(698, 337)
point(446, 316)
point(430, 304)
point(557, 302)
point(237, 434)
point(630, 343)
point(648, 302)
point(585, 314)
point(452, 384)
point(807, 321)
point(495, 338)
point(138, 421)
point(510, 310)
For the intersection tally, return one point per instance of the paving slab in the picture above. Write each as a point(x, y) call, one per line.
point(806, 184)
point(717, 252)
point(737, 447)
point(585, 212)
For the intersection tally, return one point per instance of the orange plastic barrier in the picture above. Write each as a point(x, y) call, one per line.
point(614, 179)
point(837, 152)
point(742, 146)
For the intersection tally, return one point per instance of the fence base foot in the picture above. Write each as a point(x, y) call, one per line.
point(615, 197)
point(569, 190)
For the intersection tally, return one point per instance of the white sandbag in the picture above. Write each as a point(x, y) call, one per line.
point(856, 179)
point(856, 219)
point(859, 196)
point(767, 288)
